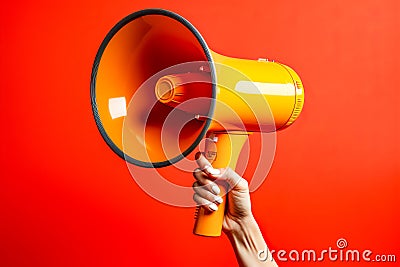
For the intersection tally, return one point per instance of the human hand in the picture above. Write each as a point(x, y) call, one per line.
point(239, 223)
point(238, 210)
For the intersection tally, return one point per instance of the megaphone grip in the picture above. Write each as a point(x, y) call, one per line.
point(210, 223)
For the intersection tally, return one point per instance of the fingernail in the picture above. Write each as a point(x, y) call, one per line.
point(218, 199)
point(213, 207)
point(215, 189)
point(213, 171)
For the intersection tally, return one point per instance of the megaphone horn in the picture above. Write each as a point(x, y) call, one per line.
point(157, 61)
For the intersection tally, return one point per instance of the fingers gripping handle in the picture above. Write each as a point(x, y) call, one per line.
point(210, 223)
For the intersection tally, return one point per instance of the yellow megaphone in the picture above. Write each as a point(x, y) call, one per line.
point(179, 92)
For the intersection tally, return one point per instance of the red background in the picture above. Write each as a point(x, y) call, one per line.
point(68, 200)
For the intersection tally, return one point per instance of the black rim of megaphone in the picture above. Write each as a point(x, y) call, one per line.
point(96, 63)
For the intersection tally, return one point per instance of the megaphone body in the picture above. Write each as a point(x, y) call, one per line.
point(179, 92)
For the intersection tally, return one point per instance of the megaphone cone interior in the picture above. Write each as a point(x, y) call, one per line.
point(157, 90)
point(138, 47)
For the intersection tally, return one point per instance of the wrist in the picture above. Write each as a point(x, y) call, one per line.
point(237, 226)
point(247, 240)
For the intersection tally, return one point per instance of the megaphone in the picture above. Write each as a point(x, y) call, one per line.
point(179, 92)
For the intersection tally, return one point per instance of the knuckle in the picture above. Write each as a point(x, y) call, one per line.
point(196, 170)
point(198, 199)
point(196, 173)
point(244, 182)
point(229, 171)
point(229, 174)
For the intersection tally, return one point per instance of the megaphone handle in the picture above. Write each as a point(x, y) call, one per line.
point(222, 150)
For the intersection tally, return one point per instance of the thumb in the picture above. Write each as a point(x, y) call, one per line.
point(235, 181)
